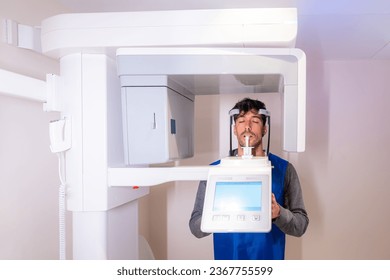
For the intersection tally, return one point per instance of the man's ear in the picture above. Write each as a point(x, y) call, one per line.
point(264, 132)
point(234, 129)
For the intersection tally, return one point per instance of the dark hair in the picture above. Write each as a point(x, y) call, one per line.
point(247, 104)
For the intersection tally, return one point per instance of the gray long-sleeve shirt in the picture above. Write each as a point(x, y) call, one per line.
point(293, 219)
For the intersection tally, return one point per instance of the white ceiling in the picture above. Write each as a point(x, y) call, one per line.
point(330, 29)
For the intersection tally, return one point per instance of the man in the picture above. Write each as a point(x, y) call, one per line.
point(288, 211)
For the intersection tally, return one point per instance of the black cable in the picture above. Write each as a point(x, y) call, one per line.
point(231, 148)
point(269, 134)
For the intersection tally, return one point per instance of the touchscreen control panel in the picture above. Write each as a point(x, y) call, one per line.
point(238, 200)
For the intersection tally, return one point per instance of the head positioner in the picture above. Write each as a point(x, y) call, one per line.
point(245, 106)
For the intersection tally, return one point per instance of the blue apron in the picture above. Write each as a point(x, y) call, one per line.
point(256, 246)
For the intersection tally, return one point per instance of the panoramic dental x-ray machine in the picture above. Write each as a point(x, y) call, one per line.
point(126, 93)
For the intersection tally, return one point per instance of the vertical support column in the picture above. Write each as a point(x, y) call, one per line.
point(90, 235)
point(294, 116)
point(105, 220)
point(70, 106)
point(290, 118)
point(294, 119)
point(111, 234)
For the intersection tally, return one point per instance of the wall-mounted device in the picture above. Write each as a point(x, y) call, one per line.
point(158, 120)
point(238, 196)
point(60, 135)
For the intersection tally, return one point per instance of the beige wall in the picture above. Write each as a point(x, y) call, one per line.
point(28, 170)
point(344, 170)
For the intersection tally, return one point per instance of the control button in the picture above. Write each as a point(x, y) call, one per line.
point(240, 218)
point(225, 218)
point(256, 218)
point(217, 218)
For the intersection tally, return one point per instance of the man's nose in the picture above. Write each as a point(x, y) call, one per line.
point(248, 126)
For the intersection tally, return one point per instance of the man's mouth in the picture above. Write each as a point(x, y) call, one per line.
point(244, 141)
point(244, 134)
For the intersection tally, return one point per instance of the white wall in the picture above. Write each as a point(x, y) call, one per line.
point(28, 170)
point(344, 170)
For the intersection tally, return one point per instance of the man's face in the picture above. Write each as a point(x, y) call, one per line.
point(249, 124)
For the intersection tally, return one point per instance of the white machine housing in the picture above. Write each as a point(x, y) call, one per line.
point(91, 32)
point(158, 121)
point(238, 196)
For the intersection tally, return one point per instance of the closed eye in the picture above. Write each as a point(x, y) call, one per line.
point(256, 120)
